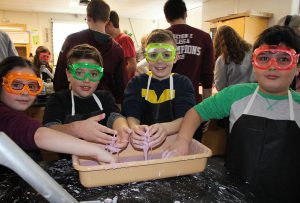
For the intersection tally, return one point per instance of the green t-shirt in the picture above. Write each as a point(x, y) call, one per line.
point(232, 101)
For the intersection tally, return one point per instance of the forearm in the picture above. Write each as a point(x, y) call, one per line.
point(132, 122)
point(52, 140)
point(173, 126)
point(66, 128)
point(190, 123)
point(119, 122)
point(207, 93)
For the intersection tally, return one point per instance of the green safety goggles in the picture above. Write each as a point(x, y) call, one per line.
point(81, 71)
point(165, 52)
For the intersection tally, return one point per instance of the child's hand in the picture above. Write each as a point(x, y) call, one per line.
point(137, 137)
point(103, 156)
point(179, 148)
point(91, 130)
point(157, 134)
point(123, 137)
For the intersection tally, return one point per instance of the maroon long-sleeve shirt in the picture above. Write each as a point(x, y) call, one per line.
point(196, 59)
point(19, 127)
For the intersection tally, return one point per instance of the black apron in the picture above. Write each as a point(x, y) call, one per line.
point(265, 153)
point(159, 112)
point(79, 117)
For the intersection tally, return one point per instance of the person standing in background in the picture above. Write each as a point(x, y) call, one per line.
point(195, 51)
point(140, 53)
point(115, 73)
point(113, 29)
point(292, 21)
point(41, 61)
point(233, 54)
point(194, 47)
point(7, 47)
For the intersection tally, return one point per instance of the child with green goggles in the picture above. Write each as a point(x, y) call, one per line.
point(81, 71)
point(166, 52)
point(92, 112)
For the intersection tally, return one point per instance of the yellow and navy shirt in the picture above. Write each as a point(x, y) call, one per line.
point(182, 99)
point(232, 101)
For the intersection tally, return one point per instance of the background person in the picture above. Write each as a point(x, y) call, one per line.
point(233, 54)
point(41, 61)
point(113, 29)
point(7, 47)
point(115, 72)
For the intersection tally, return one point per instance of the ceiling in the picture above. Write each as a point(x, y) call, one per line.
point(146, 9)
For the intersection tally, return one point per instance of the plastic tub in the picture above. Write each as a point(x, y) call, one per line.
point(132, 166)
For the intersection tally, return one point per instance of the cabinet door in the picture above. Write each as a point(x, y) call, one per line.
point(238, 24)
point(253, 27)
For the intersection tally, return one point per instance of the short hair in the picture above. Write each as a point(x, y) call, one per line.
point(174, 9)
point(279, 34)
point(114, 19)
point(11, 62)
point(84, 51)
point(159, 36)
point(98, 10)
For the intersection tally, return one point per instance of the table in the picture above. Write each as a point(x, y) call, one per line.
point(212, 185)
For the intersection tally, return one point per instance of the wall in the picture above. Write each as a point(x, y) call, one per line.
point(42, 23)
point(219, 8)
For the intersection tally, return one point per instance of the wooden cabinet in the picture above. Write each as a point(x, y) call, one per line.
point(23, 50)
point(19, 36)
point(248, 25)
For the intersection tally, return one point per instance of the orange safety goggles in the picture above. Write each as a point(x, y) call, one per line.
point(19, 82)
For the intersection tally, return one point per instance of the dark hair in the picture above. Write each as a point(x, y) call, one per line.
point(160, 35)
point(11, 62)
point(36, 58)
point(98, 10)
point(84, 51)
point(279, 34)
point(174, 9)
point(228, 43)
point(114, 18)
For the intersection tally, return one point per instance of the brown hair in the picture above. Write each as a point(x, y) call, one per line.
point(114, 19)
point(230, 45)
point(160, 35)
point(98, 10)
point(36, 58)
point(84, 51)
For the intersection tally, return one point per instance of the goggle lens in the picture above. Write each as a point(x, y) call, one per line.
point(81, 71)
point(165, 52)
point(281, 58)
point(17, 83)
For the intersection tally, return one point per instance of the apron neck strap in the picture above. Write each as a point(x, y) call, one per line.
point(290, 99)
point(97, 100)
point(171, 86)
point(292, 115)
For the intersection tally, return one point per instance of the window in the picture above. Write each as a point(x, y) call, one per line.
point(61, 29)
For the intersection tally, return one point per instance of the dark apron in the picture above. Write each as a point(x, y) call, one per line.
point(79, 117)
point(265, 153)
point(160, 112)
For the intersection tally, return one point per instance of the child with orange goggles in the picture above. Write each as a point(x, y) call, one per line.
point(278, 56)
point(20, 82)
